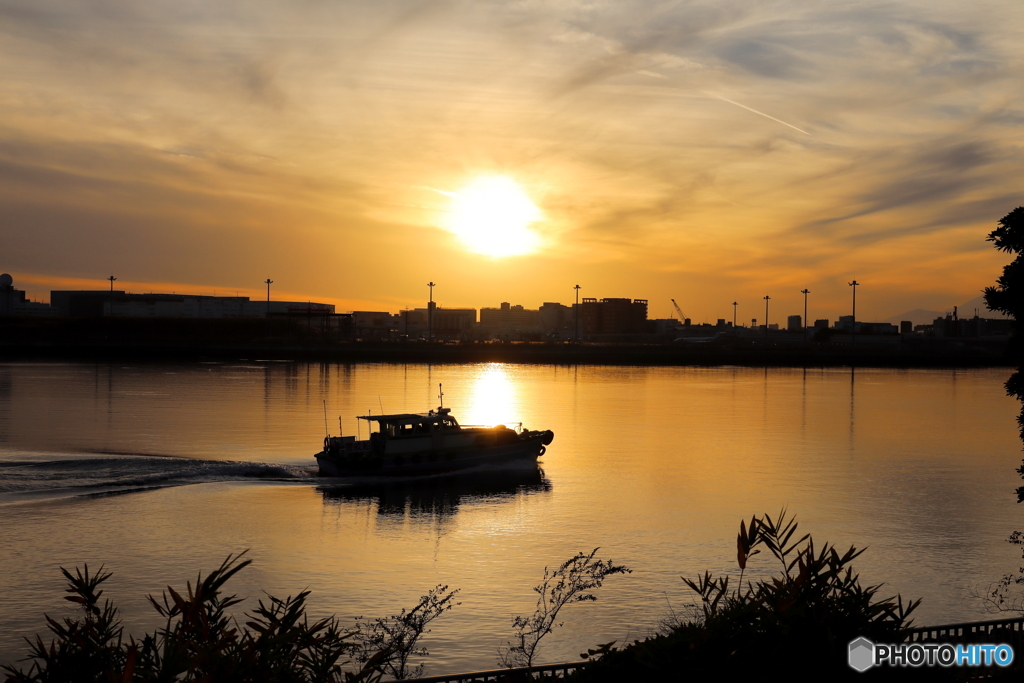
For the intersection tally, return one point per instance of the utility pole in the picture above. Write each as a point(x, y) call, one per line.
point(853, 323)
point(269, 282)
point(734, 305)
point(430, 312)
point(766, 298)
point(805, 292)
point(111, 278)
point(577, 324)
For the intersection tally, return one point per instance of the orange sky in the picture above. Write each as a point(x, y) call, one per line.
point(702, 151)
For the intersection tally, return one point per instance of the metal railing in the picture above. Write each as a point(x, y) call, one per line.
point(541, 672)
point(1008, 631)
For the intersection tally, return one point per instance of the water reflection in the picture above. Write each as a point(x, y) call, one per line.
point(493, 399)
point(439, 497)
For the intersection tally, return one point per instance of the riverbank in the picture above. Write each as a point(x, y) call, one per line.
point(230, 339)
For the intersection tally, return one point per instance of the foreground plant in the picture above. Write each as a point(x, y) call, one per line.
point(571, 582)
point(200, 642)
point(796, 624)
point(399, 634)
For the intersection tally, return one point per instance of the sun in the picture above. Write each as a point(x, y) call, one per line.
point(492, 216)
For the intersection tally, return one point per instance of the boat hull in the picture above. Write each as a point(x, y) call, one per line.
point(433, 462)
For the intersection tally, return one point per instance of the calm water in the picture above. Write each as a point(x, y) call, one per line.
point(160, 471)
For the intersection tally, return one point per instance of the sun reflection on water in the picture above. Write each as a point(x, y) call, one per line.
point(493, 398)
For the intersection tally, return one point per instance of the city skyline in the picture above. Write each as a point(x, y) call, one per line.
point(654, 307)
point(706, 153)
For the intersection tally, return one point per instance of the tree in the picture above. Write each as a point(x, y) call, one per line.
point(573, 581)
point(1008, 297)
point(1008, 294)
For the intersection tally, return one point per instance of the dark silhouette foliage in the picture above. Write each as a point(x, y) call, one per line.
point(398, 635)
point(1008, 295)
point(573, 581)
point(200, 642)
point(795, 625)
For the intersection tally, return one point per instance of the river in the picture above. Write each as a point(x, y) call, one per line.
point(159, 471)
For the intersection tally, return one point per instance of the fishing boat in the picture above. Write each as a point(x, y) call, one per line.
point(427, 443)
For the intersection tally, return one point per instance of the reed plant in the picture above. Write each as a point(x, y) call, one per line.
point(795, 624)
point(199, 641)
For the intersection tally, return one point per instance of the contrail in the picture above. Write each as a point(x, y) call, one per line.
point(760, 113)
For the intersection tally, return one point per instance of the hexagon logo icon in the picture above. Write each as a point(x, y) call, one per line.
point(861, 654)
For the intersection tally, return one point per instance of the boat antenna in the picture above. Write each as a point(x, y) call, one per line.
point(381, 404)
point(325, 419)
point(440, 394)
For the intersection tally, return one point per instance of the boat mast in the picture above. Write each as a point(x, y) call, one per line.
point(440, 395)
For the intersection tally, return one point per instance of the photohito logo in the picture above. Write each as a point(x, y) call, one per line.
point(863, 654)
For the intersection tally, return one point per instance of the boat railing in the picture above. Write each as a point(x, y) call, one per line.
point(517, 426)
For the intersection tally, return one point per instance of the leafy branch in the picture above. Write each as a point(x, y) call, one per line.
point(572, 582)
point(393, 639)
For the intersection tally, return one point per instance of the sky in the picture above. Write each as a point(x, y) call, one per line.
point(352, 152)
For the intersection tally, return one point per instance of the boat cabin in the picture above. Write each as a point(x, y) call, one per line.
point(405, 425)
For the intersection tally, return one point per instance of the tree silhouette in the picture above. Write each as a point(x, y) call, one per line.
point(1008, 294)
point(1008, 297)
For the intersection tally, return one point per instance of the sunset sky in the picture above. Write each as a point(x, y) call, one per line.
point(353, 151)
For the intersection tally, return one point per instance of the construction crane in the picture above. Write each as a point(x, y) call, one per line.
point(679, 311)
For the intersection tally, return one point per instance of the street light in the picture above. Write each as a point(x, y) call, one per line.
point(734, 304)
point(269, 282)
point(430, 312)
point(577, 323)
point(111, 278)
point(805, 292)
point(853, 323)
point(766, 298)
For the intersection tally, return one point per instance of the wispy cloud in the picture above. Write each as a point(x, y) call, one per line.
point(214, 142)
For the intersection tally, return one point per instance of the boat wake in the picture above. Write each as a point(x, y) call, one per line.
point(26, 480)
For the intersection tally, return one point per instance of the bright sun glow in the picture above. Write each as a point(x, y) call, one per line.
point(494, 397)
point(493, 216)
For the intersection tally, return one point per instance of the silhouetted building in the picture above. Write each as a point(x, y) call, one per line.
point(667, 326)
point(613, 316)
point(794, 323)
point(556, 317)
point(906, 327)
point(821, 323)
point(953, 326)
point(846, 322)
point(509, 318)
point(372, 323)
point(93, 304)
point(453, 322)
point(443, 323)
point(14, 302)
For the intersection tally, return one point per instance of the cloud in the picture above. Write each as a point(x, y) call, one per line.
point(231, 122)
